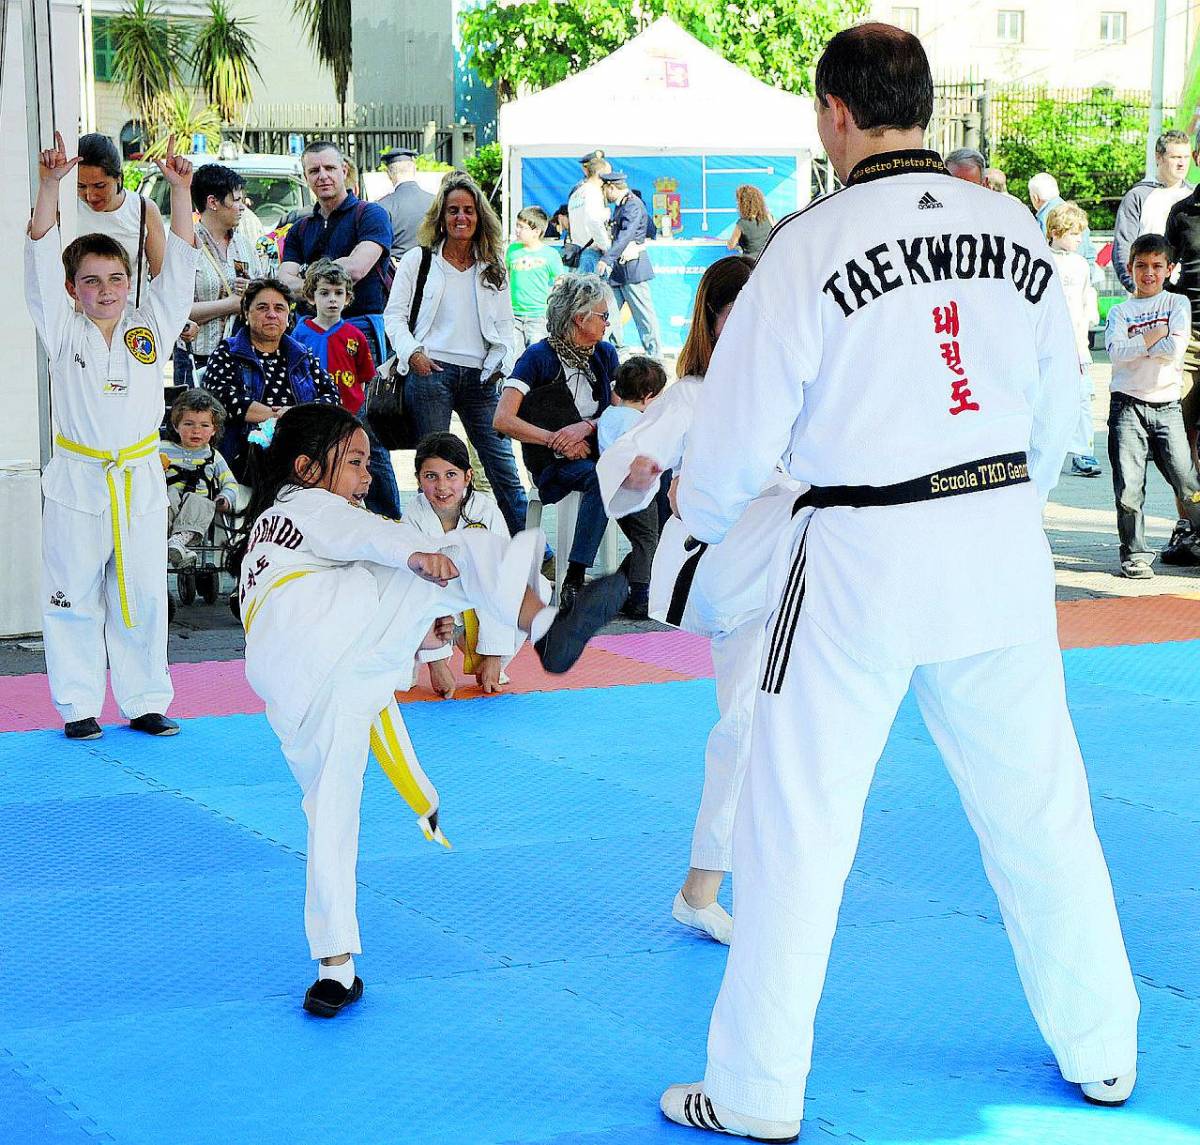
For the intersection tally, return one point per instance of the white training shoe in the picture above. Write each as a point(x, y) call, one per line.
point(688, 1105)
point(178, 554)
point(714, 920)
point(1114, 1091)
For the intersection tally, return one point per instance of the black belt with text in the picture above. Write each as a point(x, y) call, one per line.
point(970, 477)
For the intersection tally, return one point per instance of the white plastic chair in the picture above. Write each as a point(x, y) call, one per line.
point(564, 533)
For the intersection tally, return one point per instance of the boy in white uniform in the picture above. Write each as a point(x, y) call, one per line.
point(104, 525)
point(923, 310)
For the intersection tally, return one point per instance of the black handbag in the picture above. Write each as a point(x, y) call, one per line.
point(548, 407)
point(390, 420)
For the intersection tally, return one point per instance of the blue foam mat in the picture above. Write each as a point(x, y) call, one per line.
point(530, 986)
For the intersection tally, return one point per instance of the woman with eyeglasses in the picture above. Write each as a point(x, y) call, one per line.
point(551, 403)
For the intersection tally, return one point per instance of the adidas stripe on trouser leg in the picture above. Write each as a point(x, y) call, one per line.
point(1001, 721)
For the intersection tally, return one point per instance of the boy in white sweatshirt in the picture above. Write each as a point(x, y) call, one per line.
point(1146, 337)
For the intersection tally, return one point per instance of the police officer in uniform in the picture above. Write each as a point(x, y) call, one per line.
point(919, 310)
point(407, 203)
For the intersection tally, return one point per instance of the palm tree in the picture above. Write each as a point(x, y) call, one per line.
point(328, 24)
point(222, 54)
point(175, 113)
point(146, 52)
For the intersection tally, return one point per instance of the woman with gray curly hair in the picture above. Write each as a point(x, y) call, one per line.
point(551, 403)
point(449, 317)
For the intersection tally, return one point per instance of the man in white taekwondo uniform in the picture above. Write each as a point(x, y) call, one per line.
point(105, 517)
point(905, 345)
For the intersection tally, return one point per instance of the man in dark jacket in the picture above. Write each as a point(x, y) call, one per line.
point(1146, 204)
point(407, 203)
point(626, 264)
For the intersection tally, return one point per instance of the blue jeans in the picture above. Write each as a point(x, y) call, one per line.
point(562, 477)
point(1139, 431)
point(384, 495)
point(462, 390)
point(637, 294)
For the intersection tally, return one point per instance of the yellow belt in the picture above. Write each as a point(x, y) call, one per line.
point(115, 463)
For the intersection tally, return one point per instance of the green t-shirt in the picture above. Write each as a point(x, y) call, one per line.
point(531, 274)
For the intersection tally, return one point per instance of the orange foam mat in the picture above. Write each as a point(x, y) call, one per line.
point(596, 669)
point(1127, 620)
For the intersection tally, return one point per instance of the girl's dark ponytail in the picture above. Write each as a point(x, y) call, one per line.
point(308, 430)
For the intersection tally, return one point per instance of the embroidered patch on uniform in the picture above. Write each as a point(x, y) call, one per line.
point(140, 343)
point(352, 346)
point(116, 386)
point(59, 600)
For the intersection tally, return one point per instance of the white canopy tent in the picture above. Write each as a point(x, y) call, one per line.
point(662, 93)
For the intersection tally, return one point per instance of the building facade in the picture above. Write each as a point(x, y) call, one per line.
point(1066, 44)
point(290, 72)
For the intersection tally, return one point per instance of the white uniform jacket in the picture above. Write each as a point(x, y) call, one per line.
point(308, 593)
point(495, 314)
point(107, 398)
point(905, 324)
point(587, 216)
point(494, 639)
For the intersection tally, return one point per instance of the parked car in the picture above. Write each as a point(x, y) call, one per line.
point(275, 186)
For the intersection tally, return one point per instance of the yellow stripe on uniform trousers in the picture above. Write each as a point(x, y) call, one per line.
point(115, 463)
point(471, 655)
point(256, 607)
point(394, 751)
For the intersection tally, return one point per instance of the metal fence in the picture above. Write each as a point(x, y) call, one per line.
point(366, 132)
point(982, 114)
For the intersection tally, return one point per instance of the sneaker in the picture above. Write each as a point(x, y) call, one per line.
point(1181, 549)
point(155, 724)
point(1082, 466)
point(1136, 569)
point(326, 997)
point(82, 729)
point(1114, 1091)
point(689, 1105)
point(568, 592)
point(178, 554)
point(713, 920)
point(589, 609)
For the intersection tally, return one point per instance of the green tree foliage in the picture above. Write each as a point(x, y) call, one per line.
point(176, 113)
point(222, 54)
point(327, 24)
point(539, 42)
point(484, 167)
point(1095, 148)
point(147, 48)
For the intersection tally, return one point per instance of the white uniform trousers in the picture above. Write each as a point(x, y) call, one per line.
point(1001, 723)
point(328, 751)
point(1083, 437)
point(82, 623)
point(736, 656)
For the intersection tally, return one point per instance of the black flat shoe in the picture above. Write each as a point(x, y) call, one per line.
point(154, 724)
point(326, 997)
point(590, 609)
point(83, 729)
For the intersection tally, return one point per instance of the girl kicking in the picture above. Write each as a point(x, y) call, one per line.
point(719, 593)
point(336, 602)
point(448, 500)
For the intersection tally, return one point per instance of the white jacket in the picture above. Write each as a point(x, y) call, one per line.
point(495, 314)
point(839, 356)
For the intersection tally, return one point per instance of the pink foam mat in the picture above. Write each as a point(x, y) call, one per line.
point(682, 652)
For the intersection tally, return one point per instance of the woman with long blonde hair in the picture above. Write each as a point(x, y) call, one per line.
point(450, 319)
point(754, 224)
point(630, 471)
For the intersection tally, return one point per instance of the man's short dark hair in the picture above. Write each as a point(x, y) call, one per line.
point(315, 145)
point(1151, 244)
point(1168, 137)
point(881, 73)
point(214, 179)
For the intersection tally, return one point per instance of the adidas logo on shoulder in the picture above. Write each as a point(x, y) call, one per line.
point(927, 202)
